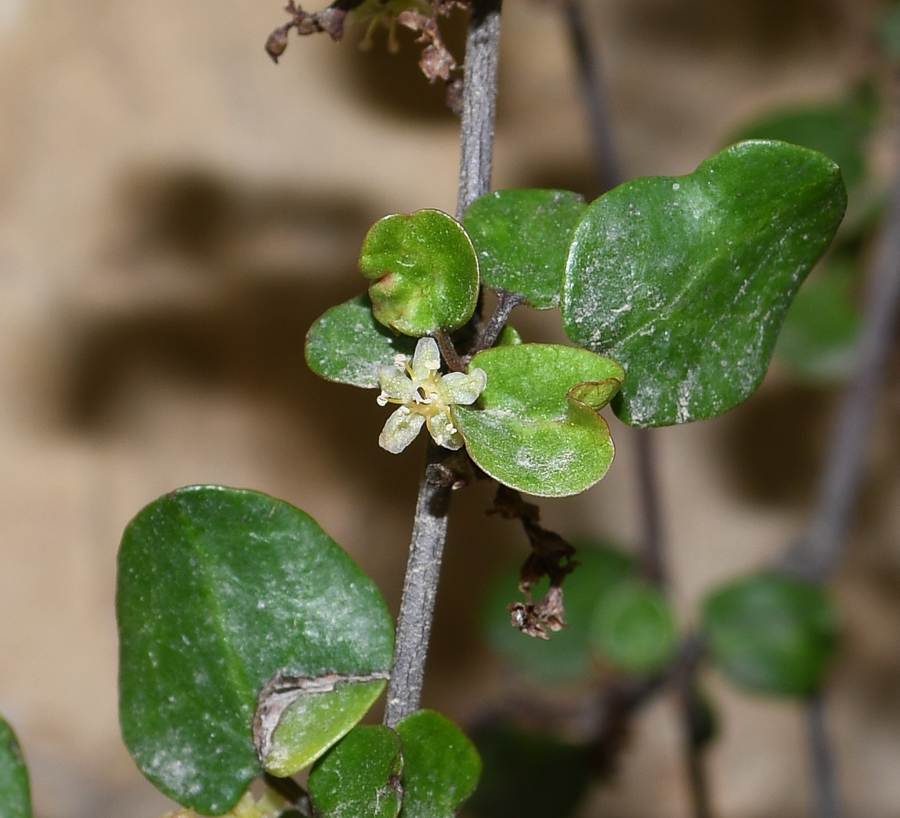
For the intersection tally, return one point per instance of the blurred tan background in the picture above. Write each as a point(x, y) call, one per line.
point(175, 211)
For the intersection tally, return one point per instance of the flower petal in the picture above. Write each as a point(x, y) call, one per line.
point(444, 431)
point(465, 388)
point(426, 359)
point(396, 384)
point(400, 430)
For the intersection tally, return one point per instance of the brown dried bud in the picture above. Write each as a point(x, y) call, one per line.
point(277, 41)
point(436, 62)
point(331, 21)
point(551, 610)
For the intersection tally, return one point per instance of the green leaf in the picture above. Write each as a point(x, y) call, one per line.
point(360, 776)
point(540, 430)
point(839, 130)
point(425, 273)
point(441, 766)
point(889, 31)
point(634, 628)
point(818, 341)
point(528, 775)
point(566, 656)
point(225, 597)
point(509, 337)
point(685, 281)
point(315, 720)
point(522, 239)
point(348, 345)
point(772, 634)
point(15, 793)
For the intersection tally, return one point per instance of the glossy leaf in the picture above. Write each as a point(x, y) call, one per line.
point(348, 345)
point(566, 656)
point(528, 775)
point(360, 776)
point(634, 628)
point(685, 281)
point(15, 793)
point(220, 592)
point(772, 634)
point(424, 271)
point(522, 239)
point(818, 341)
point(540, 430)
point(441, 766)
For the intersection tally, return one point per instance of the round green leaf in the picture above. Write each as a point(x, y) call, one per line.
point(539, 429)
point(425, 273)
point(818, 341)
point(566, 656)
point(15, 793)
point(529, 775)
point(441, 766)
point(230, 599)
point(360, 776)
point(634, 628)
point(348, 345)
point(772, 634)
point(685, 281)
point(522, 239)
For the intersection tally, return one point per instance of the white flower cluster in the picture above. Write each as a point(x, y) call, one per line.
point(424, 397)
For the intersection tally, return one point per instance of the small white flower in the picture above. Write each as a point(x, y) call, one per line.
point(424, 397)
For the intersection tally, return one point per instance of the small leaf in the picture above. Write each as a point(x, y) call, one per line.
point(348, 345)
point(685, 281)
point(818, 341)
point(297, 719)
point(522, 239)
point(772, 634)
point(839, 130)
point(566, 656)
point(220, 593)
point(509, 337)
point(889, 32)
point(441, 766)
point(360, 776)
point(425, 273)
point(634, 628)
point(540, 430)
point(529, 775)
point(15, 792)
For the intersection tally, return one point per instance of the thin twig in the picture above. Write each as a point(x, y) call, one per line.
point(817, 556)
point(449, 353)
point(430, 524)
point(823, 765)
point(506, 303)
point(652, 553)
point(593, 90)
point(479, 103)
point(653, 562)
point(609, 174)
point(419, 595)
point(696, 769)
